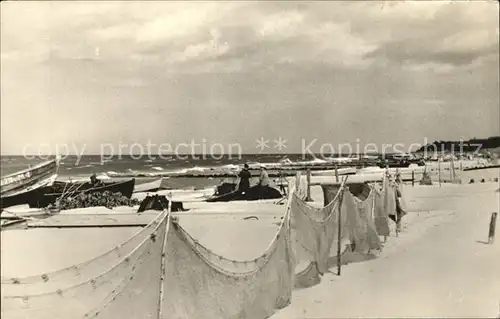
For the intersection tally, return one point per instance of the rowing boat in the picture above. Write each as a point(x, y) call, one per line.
point(49, 195)
point(152, 186)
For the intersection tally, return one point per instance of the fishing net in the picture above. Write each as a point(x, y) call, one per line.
point(229, 265)
point(50, 282)
point(401, 197)
point(329, 193)
point(168, 274)
point(77, 300)
point(358, 208)
point(171, 275)
point(300, 186)
point(138, 294)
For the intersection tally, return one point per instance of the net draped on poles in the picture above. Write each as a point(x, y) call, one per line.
point(170, 275)
point(359, 225)
point(204, 290)
point(163, 272)
point(314, 231)
point(74, 300)
point(195, 286)
point(384, 201)
point(300, 186)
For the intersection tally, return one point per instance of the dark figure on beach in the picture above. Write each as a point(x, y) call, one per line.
point(94, 181)
point(244, 176)
point(400, 212)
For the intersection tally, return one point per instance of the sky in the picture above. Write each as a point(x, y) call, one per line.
point(88, 74)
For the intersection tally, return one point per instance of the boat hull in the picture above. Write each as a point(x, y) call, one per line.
point(27, 179)
point(18, 199)
point(153, 186)
point(253, 193)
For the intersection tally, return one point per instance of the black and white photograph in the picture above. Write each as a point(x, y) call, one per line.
point(249, 159)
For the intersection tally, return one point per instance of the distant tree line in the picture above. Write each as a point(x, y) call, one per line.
point(471, 145)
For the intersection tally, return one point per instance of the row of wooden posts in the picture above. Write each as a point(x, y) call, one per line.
point(309, 199)
point(491, 229)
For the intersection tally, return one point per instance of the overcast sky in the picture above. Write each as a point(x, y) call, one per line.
point(232, 72)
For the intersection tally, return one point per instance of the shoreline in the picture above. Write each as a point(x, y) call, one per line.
point(439, 243)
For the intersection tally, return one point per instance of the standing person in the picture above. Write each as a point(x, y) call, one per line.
point(244, 176)
point(282, 186)
point(263, 181)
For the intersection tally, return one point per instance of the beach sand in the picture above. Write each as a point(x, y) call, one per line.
point(438, 266)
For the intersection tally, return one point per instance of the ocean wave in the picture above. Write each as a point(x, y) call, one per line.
point(157, 168)
point(314, 161)
point(84, 166)
point(103, 176)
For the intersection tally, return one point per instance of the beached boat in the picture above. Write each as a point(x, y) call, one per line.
point(48, 195)
point(18, 188)
point(227, 192)
point(152, 186)
point(25, 213)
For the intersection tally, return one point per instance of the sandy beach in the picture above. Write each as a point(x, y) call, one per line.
point(438, 266)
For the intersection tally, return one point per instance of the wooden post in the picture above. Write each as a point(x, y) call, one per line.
point(491, 232)
point(339, 233)
point(336, 173)
point(308, 197)
point(453, 166)
point(413, 178)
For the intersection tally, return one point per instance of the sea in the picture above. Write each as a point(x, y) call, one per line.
point(76, 167)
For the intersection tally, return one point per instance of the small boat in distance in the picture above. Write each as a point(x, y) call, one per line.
point(17, 188)
point(227, 192)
